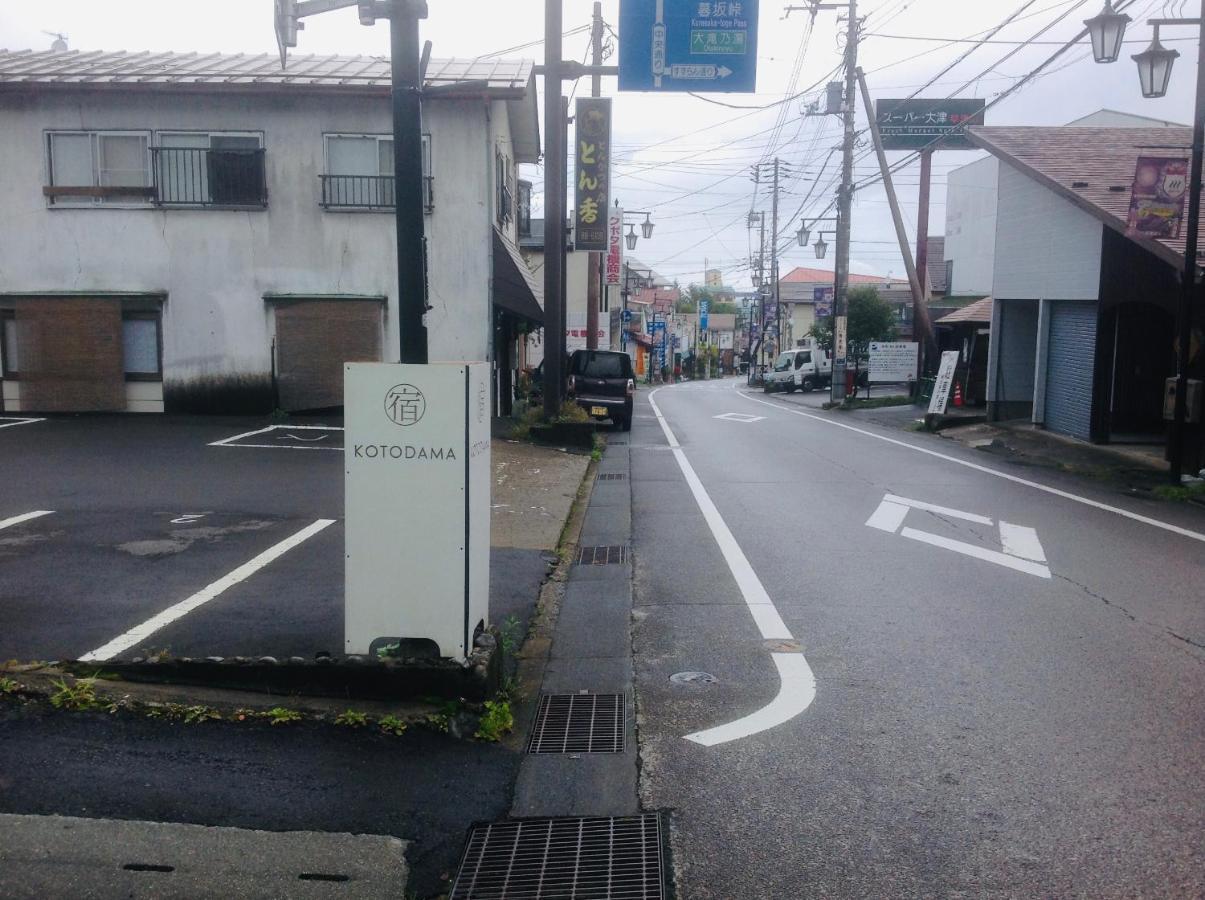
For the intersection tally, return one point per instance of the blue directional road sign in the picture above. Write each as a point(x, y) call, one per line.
point(703, 307)
point(688, 45)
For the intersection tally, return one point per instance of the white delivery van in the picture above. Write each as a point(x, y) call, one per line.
point(803, 368)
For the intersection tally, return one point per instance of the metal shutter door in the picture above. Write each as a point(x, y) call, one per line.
point(1069, 368)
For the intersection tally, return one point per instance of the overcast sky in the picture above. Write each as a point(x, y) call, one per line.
point(684, 158)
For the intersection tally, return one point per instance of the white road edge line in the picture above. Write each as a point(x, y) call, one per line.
point(140, 633)
point(1066, 495)
point(25, 517)
point(12, 421)
point(797, 686)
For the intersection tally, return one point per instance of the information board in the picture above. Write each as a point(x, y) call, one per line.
point(919, 124)
point(892, 361)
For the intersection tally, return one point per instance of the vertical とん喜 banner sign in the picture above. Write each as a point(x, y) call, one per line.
point(592, 164)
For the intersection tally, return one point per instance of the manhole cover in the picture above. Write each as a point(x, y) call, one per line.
point(693, 678)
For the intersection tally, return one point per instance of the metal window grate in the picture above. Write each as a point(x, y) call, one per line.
point(579, 723)
point(610, 555)
point(612, 476)
point(567, 859)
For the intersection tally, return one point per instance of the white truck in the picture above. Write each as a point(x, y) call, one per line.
point(801, 368)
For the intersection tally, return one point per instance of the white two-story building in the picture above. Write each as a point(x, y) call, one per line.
point(189, 232)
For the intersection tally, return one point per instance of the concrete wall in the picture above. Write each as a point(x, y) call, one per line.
point(1045, 246)
point(216, 265)
point(971, 226)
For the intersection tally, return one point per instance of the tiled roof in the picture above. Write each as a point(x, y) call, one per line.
point(364, 73)
point(804, 275)
point(979, 311)
point(1091, 167)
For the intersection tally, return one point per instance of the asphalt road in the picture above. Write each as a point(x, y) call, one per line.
point(985, 721)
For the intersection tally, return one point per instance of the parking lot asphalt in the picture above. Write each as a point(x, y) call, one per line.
point(136, 516)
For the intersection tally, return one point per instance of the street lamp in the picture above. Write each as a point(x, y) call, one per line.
point(646, 227)
point(630, 237)
point(1154, 72)
point(1106, 30)
point(804, 235)
point(1155, 67)
point(820, 247)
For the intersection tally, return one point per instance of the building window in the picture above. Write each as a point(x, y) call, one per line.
point(524, 209)
point(359, 172)
point(210, 169)
point(504, 183)
point(87, 168)
point(141, 346)
point(9, 363)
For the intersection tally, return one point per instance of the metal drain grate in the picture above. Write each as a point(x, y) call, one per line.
point(579, 723)
point(612, 476)
point(610, 555)
point(568, 859)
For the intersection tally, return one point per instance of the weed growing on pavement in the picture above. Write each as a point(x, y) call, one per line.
point(159, 655)
point(1180, 492)
point(182, 712)
point(392, 725)
point(279, 415)
point(78, 696)
point(352, 719)
point(497, 721)
point(508, 634)
point(440, 722)
point(279, 715)
point(9, 685)
point(596, 454)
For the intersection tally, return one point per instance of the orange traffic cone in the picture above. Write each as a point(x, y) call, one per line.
point(957, 394)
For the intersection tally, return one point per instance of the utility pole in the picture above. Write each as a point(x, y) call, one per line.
point(555, 164)
point(774, 258)
point(594, 285)
point(845, 203)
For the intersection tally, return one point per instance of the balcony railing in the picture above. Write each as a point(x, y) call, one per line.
point(368, 192)
point(187, 176)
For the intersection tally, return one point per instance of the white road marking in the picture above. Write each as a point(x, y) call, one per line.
point(297, 437)
point(1066, 495)
point(1022, 541)
point(940, 510)
point(888, 516)
point(11, 421)
point(992, 556)
point(1022, 549)
point(232, 441)
point(739, 417)
point(25, 517)
point(796, 692)
point(188, 518)
point(798, 684)
point(140, 633)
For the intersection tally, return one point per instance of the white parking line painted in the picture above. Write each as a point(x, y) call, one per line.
point(11, 421)
point(992, 556)
point(797, 683)
point(232, 441)
point(140, 633)
point(796, 693)
point(1066, 495)
point(25, 517)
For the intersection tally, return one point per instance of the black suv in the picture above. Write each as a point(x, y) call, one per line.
point(602, 383)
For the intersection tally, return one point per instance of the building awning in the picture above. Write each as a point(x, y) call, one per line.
point(515, 288)
point(975, 313)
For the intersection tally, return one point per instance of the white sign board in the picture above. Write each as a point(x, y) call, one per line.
point(613, 261)
point(576, 333)
point(892, 361)
point(945, 378)
point(725, 338)
point(417, 495)
point(839, 342)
